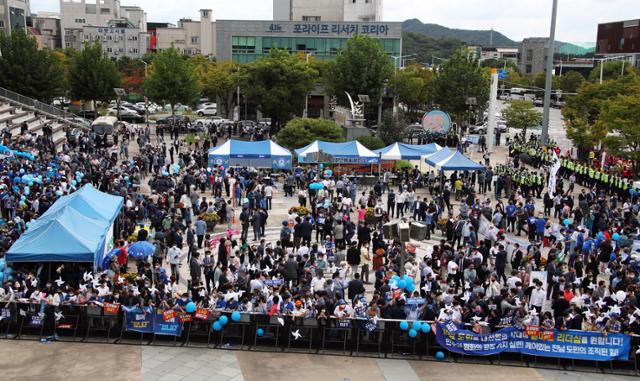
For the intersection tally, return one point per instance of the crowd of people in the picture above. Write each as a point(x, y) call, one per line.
point(577, 269)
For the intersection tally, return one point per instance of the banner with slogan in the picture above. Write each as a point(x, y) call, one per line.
point(139, 322)
point(111, 308)
point(579, 345)
point(171, 327)
point(202, 313)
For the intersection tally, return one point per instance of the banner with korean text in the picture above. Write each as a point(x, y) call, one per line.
point(534, 341)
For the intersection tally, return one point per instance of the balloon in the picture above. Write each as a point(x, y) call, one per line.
point(216, 326)
point(416, 326)
point(22, 203)
point(191, 307)
point(3, 264)
point(17, 179)
point(410, 287)
point(425, 328)
point(22, 171)
point(22, 198)
point(27, 191)
point(404, 325)
point(223, 320)
point(402, 283)
point(566, 222)
point(58, 193)
point(440, 355)
point(73, 182)
point(616, 236)
point(260, 332)
point(396, 278)
point(413, 333)
point(601, 235)
point(235, 316)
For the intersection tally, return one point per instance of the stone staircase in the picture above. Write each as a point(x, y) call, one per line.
point(16, 109)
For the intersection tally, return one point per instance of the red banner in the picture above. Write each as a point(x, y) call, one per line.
point(111, 308)
point(536, 332)
point(185, 317)
point(202, 313)
point(168, 315)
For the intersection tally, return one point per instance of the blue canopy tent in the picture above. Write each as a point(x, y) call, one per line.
point(453, 160)
point(337, 153)
point(76, 228)
point(262, 154)
point(402, 151)
point(65, 236)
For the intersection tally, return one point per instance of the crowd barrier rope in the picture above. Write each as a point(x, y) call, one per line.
point(383, 338)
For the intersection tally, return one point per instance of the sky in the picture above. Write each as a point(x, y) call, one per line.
point(517, 19)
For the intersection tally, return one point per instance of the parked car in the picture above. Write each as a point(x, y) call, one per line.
point(208, 111)
point(175, 119)
point(538, 102)
point(126, 115)
point(178, 108)
point(88, 114)
point(206, 104)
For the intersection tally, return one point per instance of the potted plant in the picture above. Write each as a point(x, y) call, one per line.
point(370, 216)
point(211, 219)
point(300, 210)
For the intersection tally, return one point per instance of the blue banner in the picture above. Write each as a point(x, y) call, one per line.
point(171, 327)
point(579, 345)
point(136, 321)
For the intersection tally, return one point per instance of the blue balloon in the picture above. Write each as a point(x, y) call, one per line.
point(3, 264)
point(413, 333)
point(17, 179)
point(567, 222)
point(601, 235)
point(402, 284)
point(216, 326)
point(425, 328)
point(235, 316)
point(73, 182)
point(615, 236)
point(404, 325)
point(191, 307)
point(260, 332)
point(396, 278)
point(23, 197)
point(440, 355)
point(416, 326)
point(410, 287)
point(58, 193)
point(223, 320)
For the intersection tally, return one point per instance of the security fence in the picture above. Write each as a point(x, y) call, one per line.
point(384, 338)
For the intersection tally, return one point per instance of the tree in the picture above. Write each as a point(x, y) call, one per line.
point(392, 128)
point(458, 79)
point(279, 84)
point(427, 48)
point(300, 132)
point(28, 71)
point(582, 111)
point(611, 70)
point(132, 72)
point(411, 86)
point(621, 119)
point(571, 81)
point(219, 83)
point(171, 79)
point(501, 63)
point(92, 76)
point(521, 114)
point(540, 81)
point(361, 68)
point(371, 142)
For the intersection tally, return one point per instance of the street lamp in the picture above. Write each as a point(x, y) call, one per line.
point(605, 59)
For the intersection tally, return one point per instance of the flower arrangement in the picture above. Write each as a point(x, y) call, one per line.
point(130, 277)
point(211, 219)
point(300, 210)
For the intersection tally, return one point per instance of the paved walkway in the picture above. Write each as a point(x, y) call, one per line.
point(31, 360)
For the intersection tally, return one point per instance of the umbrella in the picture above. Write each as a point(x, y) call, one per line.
point(109, 257)
point(141, 249)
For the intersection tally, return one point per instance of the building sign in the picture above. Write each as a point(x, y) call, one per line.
point(111, 30)
point(346, 29)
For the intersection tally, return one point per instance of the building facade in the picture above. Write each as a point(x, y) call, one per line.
point(153, 37)
point(46, 30)
point(247, 41)
point(507, 54)
point(532, 54)
point(118, 39)
point(190, 37)
point(327, 10)
point(13, 15)
point(619, 39)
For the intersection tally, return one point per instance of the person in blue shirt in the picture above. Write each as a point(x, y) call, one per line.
point(540, 224)
point(511, 210)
